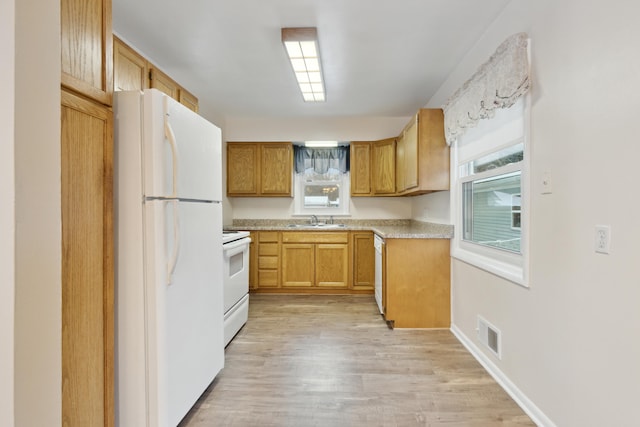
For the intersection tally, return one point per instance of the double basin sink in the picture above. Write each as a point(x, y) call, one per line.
point(320, 226)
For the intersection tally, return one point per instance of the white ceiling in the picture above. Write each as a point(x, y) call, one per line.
point(381, 58)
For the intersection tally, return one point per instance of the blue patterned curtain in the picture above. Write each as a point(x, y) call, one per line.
point(321, 159)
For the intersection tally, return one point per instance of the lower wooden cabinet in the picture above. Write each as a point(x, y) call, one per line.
point(363, 260)
point(417, 283)
point(268, 254)
point(309, 261)
point(298, 265)
point(315, 259)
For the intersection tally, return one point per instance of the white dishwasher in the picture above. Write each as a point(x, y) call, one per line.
point(378, 244)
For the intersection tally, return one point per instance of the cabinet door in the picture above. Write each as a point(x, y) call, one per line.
point(188, 99)
point(275, 169)
point(433, 151)
point(400, 163)
point(164, 83)
point(360, 169)
point(86, 47)
point(363, 260)
point(332, 265)
point(298, 265)
point(87, 263)
point(410, 161)
point(384, 166)
point(242, 169)
point(130, 68)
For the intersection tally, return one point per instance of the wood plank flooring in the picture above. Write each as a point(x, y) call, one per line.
point(331, 361)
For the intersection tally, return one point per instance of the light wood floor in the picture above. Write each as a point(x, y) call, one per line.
point(331, 361)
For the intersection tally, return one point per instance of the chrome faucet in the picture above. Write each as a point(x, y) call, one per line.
point(313, 219)
point(331, 219)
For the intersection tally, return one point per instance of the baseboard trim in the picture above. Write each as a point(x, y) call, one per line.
point(536, 415)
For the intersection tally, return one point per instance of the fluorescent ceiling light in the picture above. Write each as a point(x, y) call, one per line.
point(301, 45)
point(317, 144)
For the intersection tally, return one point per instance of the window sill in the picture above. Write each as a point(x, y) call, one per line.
point(507, 270)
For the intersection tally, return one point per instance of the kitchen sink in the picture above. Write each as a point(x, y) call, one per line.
point(316, 226)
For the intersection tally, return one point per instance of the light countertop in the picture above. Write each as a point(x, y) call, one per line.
point(388, 229)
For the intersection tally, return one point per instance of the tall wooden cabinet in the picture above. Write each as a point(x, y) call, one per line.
point(87, 220)
point(259, 169)
point(87, 263)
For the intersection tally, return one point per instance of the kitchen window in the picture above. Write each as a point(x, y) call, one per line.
point(489, 197)
point(321, 181)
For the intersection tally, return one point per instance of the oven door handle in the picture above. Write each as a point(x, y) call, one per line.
point(233, 248)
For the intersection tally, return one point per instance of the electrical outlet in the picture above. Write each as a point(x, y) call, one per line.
point(603, 239)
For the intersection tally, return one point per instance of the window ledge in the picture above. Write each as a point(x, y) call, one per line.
point(509, 271)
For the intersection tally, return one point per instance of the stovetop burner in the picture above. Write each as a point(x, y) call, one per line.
point(232, 235)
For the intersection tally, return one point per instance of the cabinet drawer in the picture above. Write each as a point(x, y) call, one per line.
point(315, 237)
point(268, 236)
point(268, 279)
point(268, 262)
point(268, 249)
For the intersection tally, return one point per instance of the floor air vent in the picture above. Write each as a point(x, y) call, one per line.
point(489, 335)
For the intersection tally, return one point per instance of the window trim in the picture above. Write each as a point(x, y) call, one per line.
point(298, 198)
point(511, 266)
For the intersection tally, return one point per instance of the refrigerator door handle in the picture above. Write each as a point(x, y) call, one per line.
point(173, 260)
point(168, 132)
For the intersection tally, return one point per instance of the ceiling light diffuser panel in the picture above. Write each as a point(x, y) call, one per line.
point(301, 45)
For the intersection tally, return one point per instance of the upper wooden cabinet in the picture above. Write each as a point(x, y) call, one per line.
point(407, 157)
point(87, 49)
point(416, 162)
point(383, 162)
point(131, 70)
point(259, 169)
point(188, 99)
point(360, 169)
point(164, 83)
point(424, 166)
point(373, 168)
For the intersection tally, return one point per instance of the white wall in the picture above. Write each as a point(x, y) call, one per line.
point(37, 353)
point(327, 128)
point(570, 342)
point(7, 216)
point(282, 208)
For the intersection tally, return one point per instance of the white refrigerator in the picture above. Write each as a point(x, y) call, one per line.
point(168, 221)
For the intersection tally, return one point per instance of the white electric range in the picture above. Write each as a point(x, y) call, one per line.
point(235, 265)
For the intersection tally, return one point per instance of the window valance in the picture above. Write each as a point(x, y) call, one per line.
point(498, 83)
point(321, 159)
